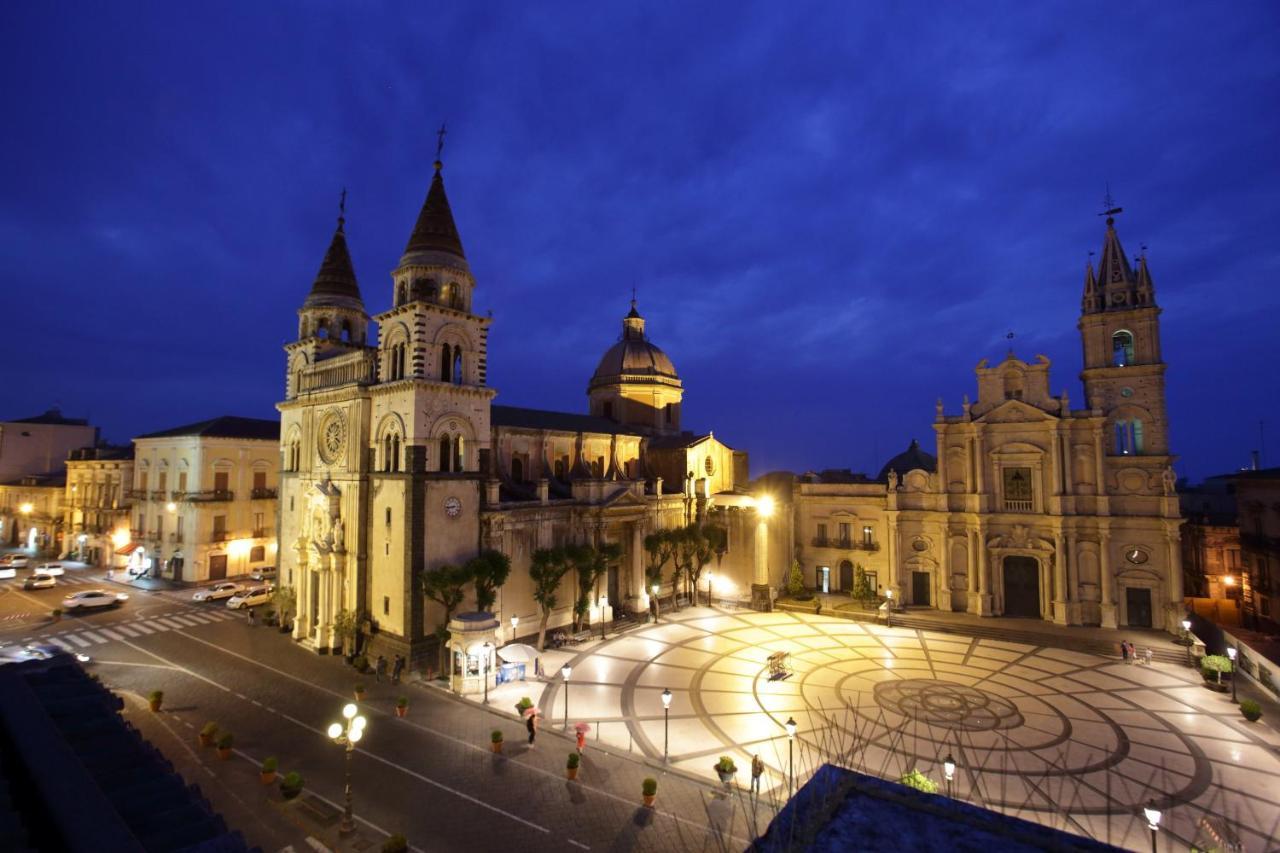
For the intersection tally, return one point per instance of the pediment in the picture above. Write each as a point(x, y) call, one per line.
point(1015, 412)
point(624, 498)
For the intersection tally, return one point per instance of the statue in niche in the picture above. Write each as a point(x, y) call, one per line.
point(893, 480)
point(1170, 480)
point(339, 535)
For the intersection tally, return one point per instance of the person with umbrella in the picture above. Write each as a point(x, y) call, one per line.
point(581, 729)
point(531, 723)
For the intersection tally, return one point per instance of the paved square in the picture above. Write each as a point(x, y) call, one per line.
point(1068, 739)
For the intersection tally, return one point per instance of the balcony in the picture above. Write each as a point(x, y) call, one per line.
point(136, 494)
point(1019, 506)
point(263, 494)
point(219, 536)
point(175, 538)
point(209, 496)
point(261, 533)
point(845, 544)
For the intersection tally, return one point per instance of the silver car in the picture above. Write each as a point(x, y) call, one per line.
point(217, 591)
point(251, 597)
point(93, 599)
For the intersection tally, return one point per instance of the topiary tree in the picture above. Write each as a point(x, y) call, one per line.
point(919, 781)
point(1215, 665)
point(862, 589)
point(795, 580)
point(344, 627)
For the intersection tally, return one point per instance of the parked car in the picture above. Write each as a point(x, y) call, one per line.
point(7, 571)
point(92, 599)
point(54, 569)
point(16, 561)
point(39, 580)
point(265, 573)
point(217, 591)
point(35, 651)
point(251, 597)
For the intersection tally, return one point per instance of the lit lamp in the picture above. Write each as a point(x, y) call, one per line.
point(604, 602)
point(949, 770)
point(764, 506)
point(1228, 580)
point(1232, 651)
point(791, 754)
point(564, 673)
point(488, 652)
point(1186, 638)
point(515, 620)
point(1152, 814)
point(708, 589)
point(348, 735)
point(666, 721)
point(26, 508)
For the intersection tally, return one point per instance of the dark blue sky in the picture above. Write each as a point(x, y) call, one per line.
point(830, 217)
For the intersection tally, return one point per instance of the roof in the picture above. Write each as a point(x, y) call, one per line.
point(227, 426)
point(836, 475)
point(908, 460)
point(435, 230)
point(48, 480)
point(520, 418)
point(335, 284)
point(633, 354)
point(839, 810)
point(676, 442)
point(103, 452)
point(52, 416)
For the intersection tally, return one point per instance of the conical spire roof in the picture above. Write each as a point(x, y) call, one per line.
point(336, 284)
point(1114, 267)
point(435, 230)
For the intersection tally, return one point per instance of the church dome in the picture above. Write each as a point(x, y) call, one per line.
point(908, 460)
point(633, 355)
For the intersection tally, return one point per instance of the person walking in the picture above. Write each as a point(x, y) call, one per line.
point(757, 770)
point(1124, 650)
point(582, 741)
point(396, 669)
point(249, 610)
point(379, 668)
point(531, 724)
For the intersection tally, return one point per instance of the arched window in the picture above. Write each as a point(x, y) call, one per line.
point(560, 467)
point(346, 331)
point(1129, 437)
point(1122, 348)
point(400, 294)
point(446, 453)
point(455, 296)
point(517, 470)
point(322, 328)
point(446, 363)
point(446, 294)
point(458, 454)
point(395, 452)
point(1136, 429)
point(457, 365)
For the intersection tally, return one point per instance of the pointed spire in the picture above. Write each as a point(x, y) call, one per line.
point(1113, 268)
point(336, 283)
point(435, 230)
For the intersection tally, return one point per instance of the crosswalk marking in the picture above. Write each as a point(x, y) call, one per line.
point(97, 638)
point(126, 630)
point(79, 642)
point(144, 628)
point(169, 623)
point(65, 646)
point(185, 620)
point(110, 634)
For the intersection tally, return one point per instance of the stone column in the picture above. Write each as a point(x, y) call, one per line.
point(984, 575)
point(1060, 594)
point(1106, 581)
point(1057, 463)
point(971, 567)
point(304, 619)
point(979, 473)
point(637, 587)
point(944, 568)
point(891, 552)
point(1097, 456)
point(761, 597)
point(1176, 609)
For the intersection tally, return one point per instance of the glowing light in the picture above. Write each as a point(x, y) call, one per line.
point(515, 620)
point(791, 727)
point(120, 538)
point(355, 735)
point(1152, 814)
point(565, 671)
point(1229, 580)
point(239, 547)
point(26, 508)
point(171, 506)
point(1232, 652)
point(765, 506)
point(335, 730)
point(666, 699)
point(349, 710)
point(949, 767)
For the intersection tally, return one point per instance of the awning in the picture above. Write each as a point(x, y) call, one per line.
point(129, 549)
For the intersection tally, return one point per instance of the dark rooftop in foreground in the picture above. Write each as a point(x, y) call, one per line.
point(227, 426)
point(839, 810)
point(52, 416)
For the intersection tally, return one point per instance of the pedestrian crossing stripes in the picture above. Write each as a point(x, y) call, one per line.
point(75, 640)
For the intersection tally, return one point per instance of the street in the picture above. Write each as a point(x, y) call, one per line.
point(430, 776)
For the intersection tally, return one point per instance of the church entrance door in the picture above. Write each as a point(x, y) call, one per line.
point(1138, 602)
point(920, 589)
point(1022, 587)
point(846, 576)
point(217, 567)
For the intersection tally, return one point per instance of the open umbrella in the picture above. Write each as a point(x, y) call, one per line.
point(582, 728)
point(531, 711)
point(517, 653)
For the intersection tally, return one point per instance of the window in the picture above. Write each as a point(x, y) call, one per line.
point(221, 481)
point(163, 481)
point(845, 534)
point(142, 481)
point(517, 470)
point(1129, 438)
point(182, 481)
point(257, 553)
point(159, 526)
point(446, 453)
point(822, 532)
point(177, 534)
point(866, 535)
point(388, 516)
point(258, 529)
point(1018, 494)
point(1122, 348)
point(142, 524)
point(670, 413)
point(219, 528)
point(457, 365)
point(386, 605)
point(259, 480)
point(561, 466)
point(458, 454)
point(446, 363)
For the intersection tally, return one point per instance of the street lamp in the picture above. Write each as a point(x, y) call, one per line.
point(888, 611)
point(1152, 815)
point(666, 722)
point(604, 626)
point(791, 755)
point(515, 620)
point(655, 589)
point(949, 770)
point(1232, 651)
point(708, 589)
point(1186, 638)
point(348, 735)
point(564, 672)
point(764, 506)
point(488, 652)
point(171, 506)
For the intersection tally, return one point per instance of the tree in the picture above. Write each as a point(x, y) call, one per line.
point(795, 580)
point(711, 540)
point(285, 599)
point(658, 548)
point(547, 568)
point(589, 564)
point(862, 584)
point(444, 586)
point(344, 627)
point(488, 571)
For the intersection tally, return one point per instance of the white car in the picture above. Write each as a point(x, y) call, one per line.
point(54, 569)
point(91, 599)
point(40, 581)
point(7, 571)
point(265, 573)
point(17, 561)
point(217, 591)
point(251, 597)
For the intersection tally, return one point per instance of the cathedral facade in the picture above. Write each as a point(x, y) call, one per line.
point(396, 460)
point(1029, 507)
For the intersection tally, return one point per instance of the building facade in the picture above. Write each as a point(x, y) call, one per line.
point(1028, 507)
point(33, 453)
point(1258, 502)
point(203, 500)
point(396, 461)
point(95, 510)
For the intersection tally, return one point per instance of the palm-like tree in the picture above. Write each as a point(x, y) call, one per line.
point(547, 569)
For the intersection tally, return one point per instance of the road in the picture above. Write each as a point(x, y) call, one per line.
point(430, 775)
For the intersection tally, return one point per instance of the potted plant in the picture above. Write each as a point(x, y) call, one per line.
point(495, 740)
point(1212, 667)
point(154, 698)
point(919, 781)
point(571, 769)
point(359, 692)
point(56, 615)
point(525, 702)
point(268, 772)
point(291, 786)
point(725, 769)
point(402, 706)
point(208, 733)
point(396, 844)
point(649, 790)
point(269, 618)
point(1252, 710)
point(361, 663)
point(225, 741)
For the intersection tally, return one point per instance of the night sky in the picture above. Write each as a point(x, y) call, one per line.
point(829, 217)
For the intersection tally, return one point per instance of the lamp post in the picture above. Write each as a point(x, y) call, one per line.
point(655, 589)
point(791, 755)
point(708, 589)
point(1152, 815)
point(515, 620)
point(604, 627)
point(888, 611)
point(1232, 651)
point(949, 770)
point(1186, 638)
point(666, 722)
point(564, 672)
point(348, 735)
point(488, 653)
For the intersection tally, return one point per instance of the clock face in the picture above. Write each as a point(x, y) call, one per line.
point(1126, 392)
point(452, 507)
point(1136, 556)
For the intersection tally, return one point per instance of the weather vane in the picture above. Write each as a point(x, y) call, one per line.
point(1110, 204)
point(342, 203)
point(440, 140)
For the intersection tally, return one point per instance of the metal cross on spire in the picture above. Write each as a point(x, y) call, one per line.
point(440, 140)
point(342, 209)
point(1110, 204)
point(1009, 338)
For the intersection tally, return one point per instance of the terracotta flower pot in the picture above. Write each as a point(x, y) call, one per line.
point(648, 800)
point(359, 695)
point(571, 772)
point(205, 740)
point(401, 710)
point(496, 747)
point(155, 705)
point(268, 778)
point(224, 754)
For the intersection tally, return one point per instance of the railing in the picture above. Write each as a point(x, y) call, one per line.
point(1018, 506)
point(260, 533)
point(342, 373)
point(219, 536)
point(845, 544)
point(262, 494)
point(209, 495)
point(136, 494)
point(159, 495)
